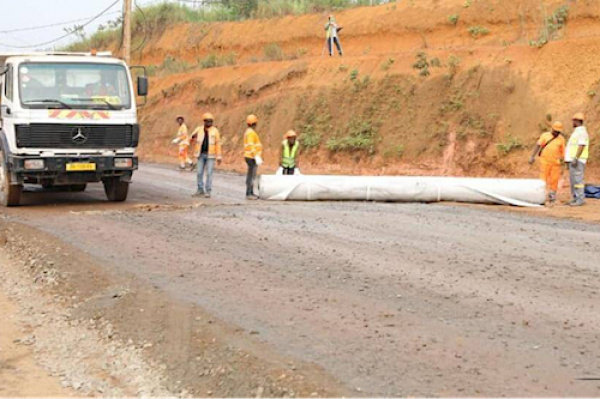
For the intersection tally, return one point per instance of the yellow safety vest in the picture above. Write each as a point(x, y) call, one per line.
point(289, 154)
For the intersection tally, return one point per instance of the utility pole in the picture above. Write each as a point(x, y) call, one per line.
point(127, 31)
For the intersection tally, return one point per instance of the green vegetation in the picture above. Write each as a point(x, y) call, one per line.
point(552, 25)
point(511, 144)
point(387, 64)
point(273, 52)
point(454, 103)
point(314, 122)
point(362, 136)
point(354, 74)
point(478, 31)
point(453, 19)
point(394, 152)
point(214, 60)
point(453, 64)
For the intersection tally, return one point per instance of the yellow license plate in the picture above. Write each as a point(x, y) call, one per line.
point(81, 167)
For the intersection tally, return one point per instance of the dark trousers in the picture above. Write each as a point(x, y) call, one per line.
point(337, 44)
point(288, 171)
point(251, 175)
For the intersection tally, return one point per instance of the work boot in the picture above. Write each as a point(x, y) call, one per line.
point(252, 197)
point(198, 194)
point(578, 203)
point(182, 167)
point(207, 195)
point(193, 166)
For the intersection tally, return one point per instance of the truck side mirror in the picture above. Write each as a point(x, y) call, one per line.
point(142, 86)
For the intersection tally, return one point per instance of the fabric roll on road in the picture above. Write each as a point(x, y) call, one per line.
point(517, 192)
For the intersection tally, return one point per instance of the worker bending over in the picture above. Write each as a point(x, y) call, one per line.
point(332, 29)
point(183, 142)
point(550, 148)
point(253, 150)
point(209, 141)
point(576, 156)
point(289, 153)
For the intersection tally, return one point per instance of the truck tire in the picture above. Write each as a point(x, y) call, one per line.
point(116, 190)
point(77, 188)
point(10, 194)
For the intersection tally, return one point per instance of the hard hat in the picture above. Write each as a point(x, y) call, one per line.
point(579, 116)
point(289, 134)
point(251, 120)
point(180, 117)
point(208, 116)
point(558, 127)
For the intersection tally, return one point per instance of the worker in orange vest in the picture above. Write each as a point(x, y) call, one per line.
point(550, 148)
point(183, 142)
point(253, 151)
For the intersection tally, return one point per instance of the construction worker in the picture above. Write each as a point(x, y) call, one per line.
point(332, 29)
point(253, 154)
point(183, 142)
point(551, 149)
point(576, 156)
point(209, 141)
point(289, 152)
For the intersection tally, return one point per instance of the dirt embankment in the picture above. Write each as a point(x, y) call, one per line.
point(491, 84)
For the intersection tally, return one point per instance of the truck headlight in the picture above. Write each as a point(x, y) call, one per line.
point(32, 164)
point(123, 163)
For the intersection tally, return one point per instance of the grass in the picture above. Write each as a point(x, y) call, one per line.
point(552, 25)
point(453, 19)
point(478, 31)
point(511, 144)
point(361, 136)
point(387, 64)
point(273, 52)
point(314, 122)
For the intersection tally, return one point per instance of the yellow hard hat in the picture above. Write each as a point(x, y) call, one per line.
point(251, 120)
point(208, 117)
point(289, 134)
point(579, 116)
point(558, 127)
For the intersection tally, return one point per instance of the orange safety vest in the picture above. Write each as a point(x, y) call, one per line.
point(214, 141)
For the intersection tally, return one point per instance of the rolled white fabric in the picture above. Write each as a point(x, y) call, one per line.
point(518, 192)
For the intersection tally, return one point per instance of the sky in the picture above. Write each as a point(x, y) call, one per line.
point(20, 14)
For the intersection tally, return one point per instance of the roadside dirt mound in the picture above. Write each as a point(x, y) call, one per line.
point(429, 87)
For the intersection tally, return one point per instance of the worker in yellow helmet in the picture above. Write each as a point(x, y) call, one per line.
point(551, 149)
point(209, 141)
point(183, 142)
point(289, 152)
point(253, 151)
point(576, 155)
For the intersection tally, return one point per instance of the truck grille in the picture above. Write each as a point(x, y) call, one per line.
point(77, 136)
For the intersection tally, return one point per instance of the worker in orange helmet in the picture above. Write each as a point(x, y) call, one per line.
point(183, 142)
point(289, 152)
point(550, 148)
point(253, 151)
point(209, 141)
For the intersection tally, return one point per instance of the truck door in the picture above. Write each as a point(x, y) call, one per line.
point(7, 98)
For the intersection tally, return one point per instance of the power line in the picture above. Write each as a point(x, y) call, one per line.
point(67, 34)
point(40, 27)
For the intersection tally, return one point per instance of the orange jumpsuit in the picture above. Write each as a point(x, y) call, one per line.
point(184, 145)
point(552, 154)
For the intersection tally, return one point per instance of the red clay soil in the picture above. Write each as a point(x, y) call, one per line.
point(477, 114)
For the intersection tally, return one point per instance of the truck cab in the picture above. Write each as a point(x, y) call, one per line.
point(67, 120)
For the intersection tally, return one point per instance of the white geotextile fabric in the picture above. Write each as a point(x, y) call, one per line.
point(518, 192)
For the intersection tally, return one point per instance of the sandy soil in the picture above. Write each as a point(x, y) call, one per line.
point(376, 299)
point(20, 373)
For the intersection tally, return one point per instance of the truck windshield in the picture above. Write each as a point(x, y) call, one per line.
point(74, 85)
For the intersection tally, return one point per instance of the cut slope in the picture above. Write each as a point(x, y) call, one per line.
point(371, 110)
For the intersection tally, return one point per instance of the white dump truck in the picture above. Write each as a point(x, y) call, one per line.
point(67, 119)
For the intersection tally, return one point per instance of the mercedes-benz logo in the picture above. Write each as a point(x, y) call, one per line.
point(79, 135)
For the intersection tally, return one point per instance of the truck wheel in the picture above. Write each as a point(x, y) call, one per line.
point(10, 195)
point(116, 190)
point(77, 188)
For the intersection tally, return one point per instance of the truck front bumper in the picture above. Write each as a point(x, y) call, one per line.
point(55, 169)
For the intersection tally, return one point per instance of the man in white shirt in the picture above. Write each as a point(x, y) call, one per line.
point(576, 156)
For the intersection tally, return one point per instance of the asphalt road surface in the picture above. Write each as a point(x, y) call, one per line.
point(389, 299)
